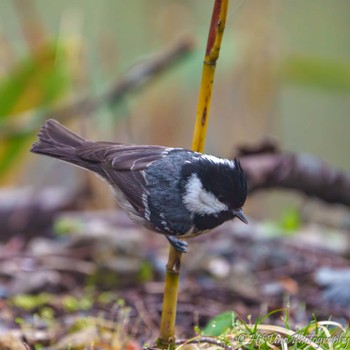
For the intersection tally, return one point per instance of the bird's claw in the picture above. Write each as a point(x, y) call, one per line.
point(179, 245)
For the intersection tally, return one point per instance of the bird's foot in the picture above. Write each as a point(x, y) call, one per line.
point(179, 245)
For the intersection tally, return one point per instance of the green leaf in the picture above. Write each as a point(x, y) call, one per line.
point(10, 150)
point(316, 72)
point(145, 272)
point(220, 324)
point(37, 81)
point(290, 220)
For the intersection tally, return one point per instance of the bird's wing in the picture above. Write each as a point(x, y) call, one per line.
point(121, 157)
point(131, 184)
point(123, 166)
point(135, 157)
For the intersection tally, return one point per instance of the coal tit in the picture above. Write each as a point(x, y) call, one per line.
point(173, 191)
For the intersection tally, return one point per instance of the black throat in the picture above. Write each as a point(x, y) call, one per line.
point(209, 221)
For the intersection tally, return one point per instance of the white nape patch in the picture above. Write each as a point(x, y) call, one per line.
point(200, 201)
point(219, 161)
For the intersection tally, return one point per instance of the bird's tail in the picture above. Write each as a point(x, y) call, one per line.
point(58, 142)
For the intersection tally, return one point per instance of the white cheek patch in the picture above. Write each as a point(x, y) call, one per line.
point(200, 201)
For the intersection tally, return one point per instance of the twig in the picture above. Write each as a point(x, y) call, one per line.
point(137, 76)
point(201, 340)
point(216, 32)
point(217, 26)
point(142, 313)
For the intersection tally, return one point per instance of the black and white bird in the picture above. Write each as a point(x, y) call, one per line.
point(173, 191)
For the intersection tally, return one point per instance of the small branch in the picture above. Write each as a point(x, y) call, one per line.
point(142, 73)
point(216, 32)
point(167, 327)
point(172, 276)
point(201, 341)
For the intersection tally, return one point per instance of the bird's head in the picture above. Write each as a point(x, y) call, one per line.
point(214, 185)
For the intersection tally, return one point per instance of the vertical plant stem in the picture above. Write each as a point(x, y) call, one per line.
point(216, 32)
point(166, 339)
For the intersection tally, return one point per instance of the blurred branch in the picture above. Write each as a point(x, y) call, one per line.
point(267, 168)
point(137, 77)
point(143, 72)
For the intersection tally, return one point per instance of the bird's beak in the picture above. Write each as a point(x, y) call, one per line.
point(240, 215)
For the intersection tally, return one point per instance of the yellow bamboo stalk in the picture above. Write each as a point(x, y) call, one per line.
point(166, 339)
point(216, 33)
point(171, 287)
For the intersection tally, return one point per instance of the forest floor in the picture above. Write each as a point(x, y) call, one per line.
point(94, 278)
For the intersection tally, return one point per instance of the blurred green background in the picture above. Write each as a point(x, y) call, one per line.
point(284, 72)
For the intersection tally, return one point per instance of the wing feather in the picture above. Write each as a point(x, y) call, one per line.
point(123, 166)
point(131, 184)
point(121, 156)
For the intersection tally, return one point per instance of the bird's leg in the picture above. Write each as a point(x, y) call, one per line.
point(179, 245)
